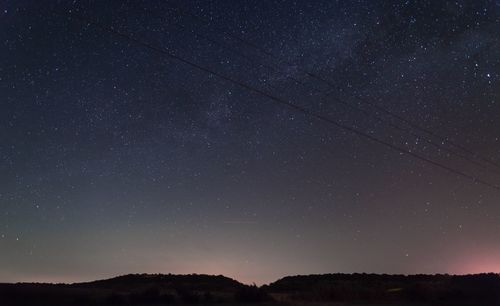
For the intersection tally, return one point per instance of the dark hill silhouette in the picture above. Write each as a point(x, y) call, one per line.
point(326, 289)
point(134, 289)
point(441, 289)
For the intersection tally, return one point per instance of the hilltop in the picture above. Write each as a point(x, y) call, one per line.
point(439, 289)
point(325, 289)
point(134, 289)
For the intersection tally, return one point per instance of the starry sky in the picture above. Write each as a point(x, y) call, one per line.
point(117, 157)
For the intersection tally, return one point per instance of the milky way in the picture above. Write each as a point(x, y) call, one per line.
point(115, 158)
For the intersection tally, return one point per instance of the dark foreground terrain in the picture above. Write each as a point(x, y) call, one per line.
point(328, 289)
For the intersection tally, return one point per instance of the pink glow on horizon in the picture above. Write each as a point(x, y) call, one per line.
point(488, 262)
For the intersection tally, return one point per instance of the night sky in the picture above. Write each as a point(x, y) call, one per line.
point(116, 157)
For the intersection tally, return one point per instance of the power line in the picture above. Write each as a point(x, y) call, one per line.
point(272, 68)
point(417, 127)
point(411, 124)
point(429, 141)
point(278, 100)
point(439, 146)
point(225, 46)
